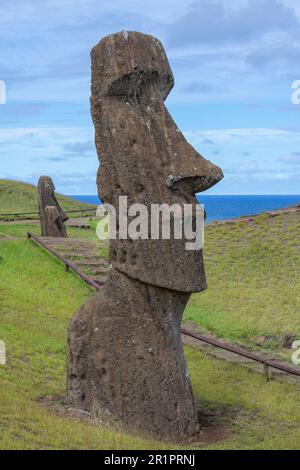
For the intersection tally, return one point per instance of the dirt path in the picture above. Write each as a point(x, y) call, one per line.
point(84, 254)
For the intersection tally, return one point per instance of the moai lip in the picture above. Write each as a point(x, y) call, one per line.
point(126, 362)
point(52, 217)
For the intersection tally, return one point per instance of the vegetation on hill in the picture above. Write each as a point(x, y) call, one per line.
point(253, 272)
point(16, 196)
point(252, 299)
point(37, 299)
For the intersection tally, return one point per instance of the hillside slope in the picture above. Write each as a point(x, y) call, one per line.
point(16, 196)
point(239, 409)
point(253, 293)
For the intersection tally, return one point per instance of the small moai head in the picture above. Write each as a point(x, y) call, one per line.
point(52, 220)
point(144, 156)
point(46, 186)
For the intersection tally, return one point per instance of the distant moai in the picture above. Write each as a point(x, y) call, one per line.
point(52, 216)
point(125, 355)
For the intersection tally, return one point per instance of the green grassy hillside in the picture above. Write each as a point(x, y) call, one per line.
point(253, 293)
point(16, 196)
point(253, 274)
point(37, 299)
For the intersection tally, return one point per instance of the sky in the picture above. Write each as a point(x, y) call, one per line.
point(234, 63)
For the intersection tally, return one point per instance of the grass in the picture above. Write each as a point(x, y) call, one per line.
point(37, 299)
point(253, 282)
point(16, 196)
point(253, 273)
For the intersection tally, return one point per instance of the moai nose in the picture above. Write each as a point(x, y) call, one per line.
point(203, 175)
point(190, 171)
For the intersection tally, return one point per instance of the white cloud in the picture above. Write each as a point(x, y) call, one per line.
point(232, 45)
point(27, 153)
point(212, 23)
point(290, 158)
point(247, 52)
point(221, 136)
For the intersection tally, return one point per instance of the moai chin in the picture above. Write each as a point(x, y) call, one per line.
point(52, 216)
point(125, 356)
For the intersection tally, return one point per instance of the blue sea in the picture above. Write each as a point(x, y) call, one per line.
point(229, 207)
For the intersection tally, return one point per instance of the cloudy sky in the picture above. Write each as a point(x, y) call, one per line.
point(234, 63)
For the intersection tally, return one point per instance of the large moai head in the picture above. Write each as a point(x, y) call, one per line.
point(51, 215)
point(143, 155)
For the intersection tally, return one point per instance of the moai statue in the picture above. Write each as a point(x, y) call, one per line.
point(125, 355)
point(51, 215)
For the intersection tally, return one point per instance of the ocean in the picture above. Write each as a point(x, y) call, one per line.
point(228, 207)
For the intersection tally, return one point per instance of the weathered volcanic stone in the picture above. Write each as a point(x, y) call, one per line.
point(126, 360)
point(52, 216)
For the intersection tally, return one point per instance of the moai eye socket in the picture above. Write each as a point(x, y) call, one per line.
point(128, 88)
point(118, 73)
point(132, 87)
